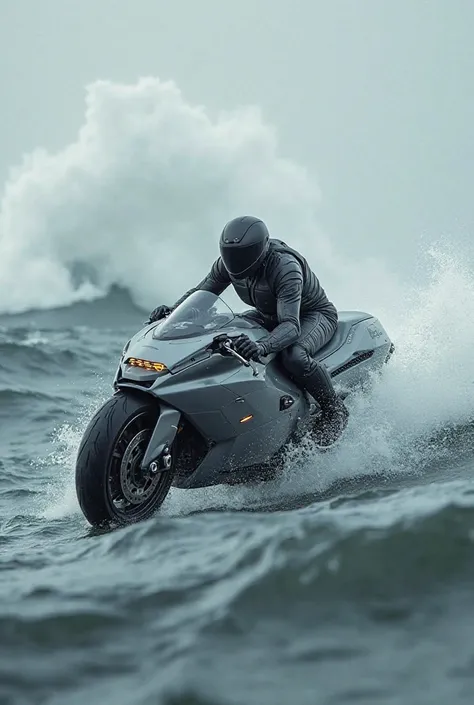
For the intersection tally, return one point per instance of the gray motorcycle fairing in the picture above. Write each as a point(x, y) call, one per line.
point(241, 417)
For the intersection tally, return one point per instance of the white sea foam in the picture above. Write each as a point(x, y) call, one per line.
point(141, 195)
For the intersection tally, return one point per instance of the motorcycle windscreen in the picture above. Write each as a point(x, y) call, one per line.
point(201, 313)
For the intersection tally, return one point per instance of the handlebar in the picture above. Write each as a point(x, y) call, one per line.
point(248, 363)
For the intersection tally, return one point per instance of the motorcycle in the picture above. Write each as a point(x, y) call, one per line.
point(188, 411)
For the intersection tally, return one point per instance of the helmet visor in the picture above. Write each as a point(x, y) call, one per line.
point(239, 261)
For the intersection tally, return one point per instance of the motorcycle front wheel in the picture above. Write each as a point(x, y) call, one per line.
point(110, 485)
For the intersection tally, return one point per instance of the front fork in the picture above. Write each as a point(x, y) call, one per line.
point(157, 455)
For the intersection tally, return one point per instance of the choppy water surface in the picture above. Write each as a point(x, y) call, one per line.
point(349, 581)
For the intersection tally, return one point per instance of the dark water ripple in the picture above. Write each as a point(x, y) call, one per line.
point(360, 593)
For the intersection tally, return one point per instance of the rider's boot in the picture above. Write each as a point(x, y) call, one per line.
point(330, 424)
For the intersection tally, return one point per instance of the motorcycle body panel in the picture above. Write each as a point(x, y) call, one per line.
point(245, 419)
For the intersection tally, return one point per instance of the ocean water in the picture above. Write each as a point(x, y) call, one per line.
point(348, 580)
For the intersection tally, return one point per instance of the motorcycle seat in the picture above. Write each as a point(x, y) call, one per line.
point(347, 319)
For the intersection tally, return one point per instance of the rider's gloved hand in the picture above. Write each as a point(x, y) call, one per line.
point(158, 313)
point(248, 348)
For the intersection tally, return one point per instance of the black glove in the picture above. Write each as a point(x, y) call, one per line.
point(247, 348)
point(158, 313)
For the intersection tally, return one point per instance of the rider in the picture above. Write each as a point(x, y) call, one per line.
point(288, 301)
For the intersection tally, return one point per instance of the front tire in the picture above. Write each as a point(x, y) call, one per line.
point(110, 486)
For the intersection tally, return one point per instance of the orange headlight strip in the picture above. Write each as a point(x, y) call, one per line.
point(146, 364)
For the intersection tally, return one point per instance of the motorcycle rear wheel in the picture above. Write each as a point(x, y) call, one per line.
point(110, 486)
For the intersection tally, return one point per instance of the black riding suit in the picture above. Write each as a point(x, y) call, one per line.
point(292, 305)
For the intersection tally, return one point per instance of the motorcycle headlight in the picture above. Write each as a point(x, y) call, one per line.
point(147, 365)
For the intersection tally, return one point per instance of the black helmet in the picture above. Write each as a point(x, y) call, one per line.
point(243, 245)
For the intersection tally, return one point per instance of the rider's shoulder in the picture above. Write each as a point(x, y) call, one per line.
point(281, 255)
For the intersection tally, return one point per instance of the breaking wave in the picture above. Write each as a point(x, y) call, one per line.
point(138, 200)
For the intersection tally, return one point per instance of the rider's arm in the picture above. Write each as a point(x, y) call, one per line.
point(287, 283)
point(216, 282)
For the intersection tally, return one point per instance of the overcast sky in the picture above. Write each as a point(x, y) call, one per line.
point(376, 97)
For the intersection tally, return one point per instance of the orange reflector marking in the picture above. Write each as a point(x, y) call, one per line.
point(246, 418)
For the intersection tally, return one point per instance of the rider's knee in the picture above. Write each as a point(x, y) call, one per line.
point(295, 360)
